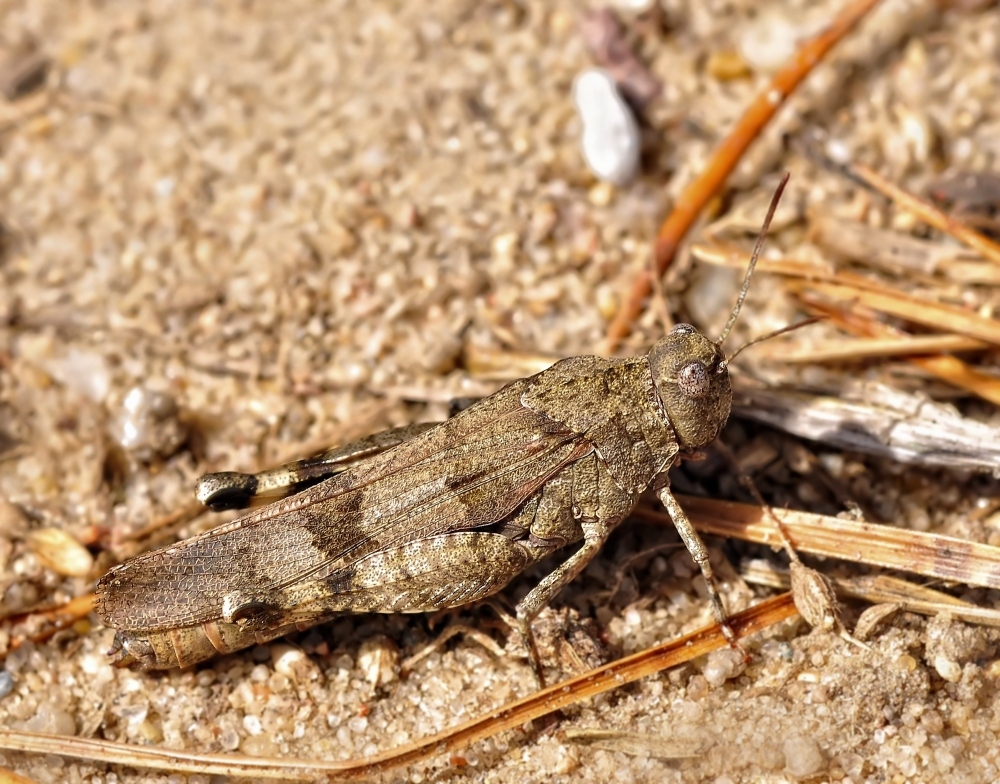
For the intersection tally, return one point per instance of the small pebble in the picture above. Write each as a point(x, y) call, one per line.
point(149, 425)
point(726, 65)
point(948, 669)
point(252, 724)
point(378, 658)
point(61, 552)
point(610, 132)
point(85, 372)
point(293, 663)
point(601, 194)
point(905, 663)
point(771, 39)
point(229, 740)
point(697, 688)
point(852, 764)
point(259, 746)
point(6, 683)
point(803, 756)
point(504, 246)
point(53, 721)
point(634, 6)
point(723, 665)
point(710, 292)
point(544, 218)
point(150, 731)
point(768, 42)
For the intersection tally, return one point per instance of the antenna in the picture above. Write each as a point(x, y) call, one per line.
point(753, 259)
point(769, 335)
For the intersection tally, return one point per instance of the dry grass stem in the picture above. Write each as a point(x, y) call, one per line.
point(947, 368)
point(876, 348)
point(935, 315)
point(929, 213)
point(727, 155)
point(930, 555)
point(507, 717)
point(882, 589)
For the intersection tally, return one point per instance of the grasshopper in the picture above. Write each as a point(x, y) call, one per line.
point(435, 516)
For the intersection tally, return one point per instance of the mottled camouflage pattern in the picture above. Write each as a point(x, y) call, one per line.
point(448, 516)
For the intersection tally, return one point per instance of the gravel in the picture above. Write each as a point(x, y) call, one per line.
point(289, 221)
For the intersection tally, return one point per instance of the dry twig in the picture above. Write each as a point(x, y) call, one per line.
point(878, 420)
point(727, 155)
point(929, 213)
point(946, 367)
point(877, 295)
point(507, 717)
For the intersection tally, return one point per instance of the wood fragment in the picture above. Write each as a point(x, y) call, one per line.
point(881, 248)
point(877, 420)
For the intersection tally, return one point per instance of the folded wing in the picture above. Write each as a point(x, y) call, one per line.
point(473, 471)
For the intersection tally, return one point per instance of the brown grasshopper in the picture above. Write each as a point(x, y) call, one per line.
point(435, 516)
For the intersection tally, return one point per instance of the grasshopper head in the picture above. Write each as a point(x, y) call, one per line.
point(691, 372)
point(692, 378)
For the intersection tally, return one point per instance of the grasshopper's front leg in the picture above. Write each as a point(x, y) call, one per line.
point(235, 490)
point(699, 554)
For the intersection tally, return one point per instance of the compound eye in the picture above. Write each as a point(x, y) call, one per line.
point(682, 329)
point(693, 379)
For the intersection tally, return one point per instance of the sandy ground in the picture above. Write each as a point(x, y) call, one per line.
point(289, 218)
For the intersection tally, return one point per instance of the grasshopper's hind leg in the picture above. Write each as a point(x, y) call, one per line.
point(235, 490)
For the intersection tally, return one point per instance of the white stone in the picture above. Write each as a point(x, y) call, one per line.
point(610, 131)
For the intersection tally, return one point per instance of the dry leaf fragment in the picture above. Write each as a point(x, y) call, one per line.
point(604, 37)
point(61, 552)
point(23, 73)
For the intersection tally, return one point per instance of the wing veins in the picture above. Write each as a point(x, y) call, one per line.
point(430, 503)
